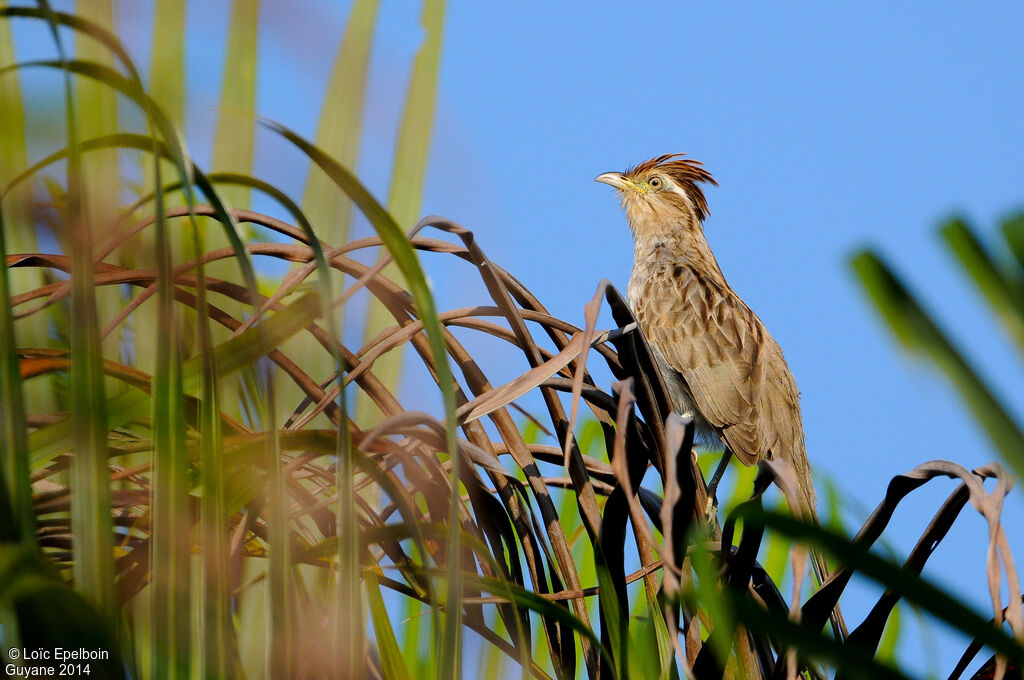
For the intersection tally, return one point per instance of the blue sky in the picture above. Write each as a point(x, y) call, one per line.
point(828, 127)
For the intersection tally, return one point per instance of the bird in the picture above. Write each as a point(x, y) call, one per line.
point(719, 362)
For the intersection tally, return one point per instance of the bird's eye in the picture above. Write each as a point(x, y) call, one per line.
point(655, 182)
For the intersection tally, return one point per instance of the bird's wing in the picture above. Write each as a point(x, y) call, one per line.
point(706, 333)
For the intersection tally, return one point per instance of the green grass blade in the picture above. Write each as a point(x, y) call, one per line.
point(414, 135)
point(407, 174)
point(218, 653)
point(14, 156)
point(529, 600)
point(166, 82)
point(281, 649)
point(233, 148)
point(390, 654)
point(338, 131)
point(21, 233)
point(712, 596)
point(13, 153)
point(17, 522)
point(338, 134)
point(914, 327)
point(1013, 233)
point(157, 249)
point(406, 191)
point(96, 111)
point(91, 526)
point(408, 263)
point(348, 618)
point(234, 141)
point(890, 639)
point(172, 526)
point(171, 540)
point(15, 210)
point(1003, 294)
point(614, 619)
point(167, 60)
point(219, 647)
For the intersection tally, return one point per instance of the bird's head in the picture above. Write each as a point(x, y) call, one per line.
point(662, 193)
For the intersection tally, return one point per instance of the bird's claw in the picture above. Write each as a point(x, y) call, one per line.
point(711, 507)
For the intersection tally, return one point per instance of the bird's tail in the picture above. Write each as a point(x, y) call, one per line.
point(819, 565)
point(821, 574)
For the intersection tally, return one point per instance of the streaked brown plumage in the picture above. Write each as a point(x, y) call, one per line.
point(720, 363)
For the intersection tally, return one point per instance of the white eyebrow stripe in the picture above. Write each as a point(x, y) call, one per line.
point(676, 189)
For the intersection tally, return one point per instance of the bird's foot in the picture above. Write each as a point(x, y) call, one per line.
point(711, 507)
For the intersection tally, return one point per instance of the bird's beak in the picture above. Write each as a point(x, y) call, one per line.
point(614, 179)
